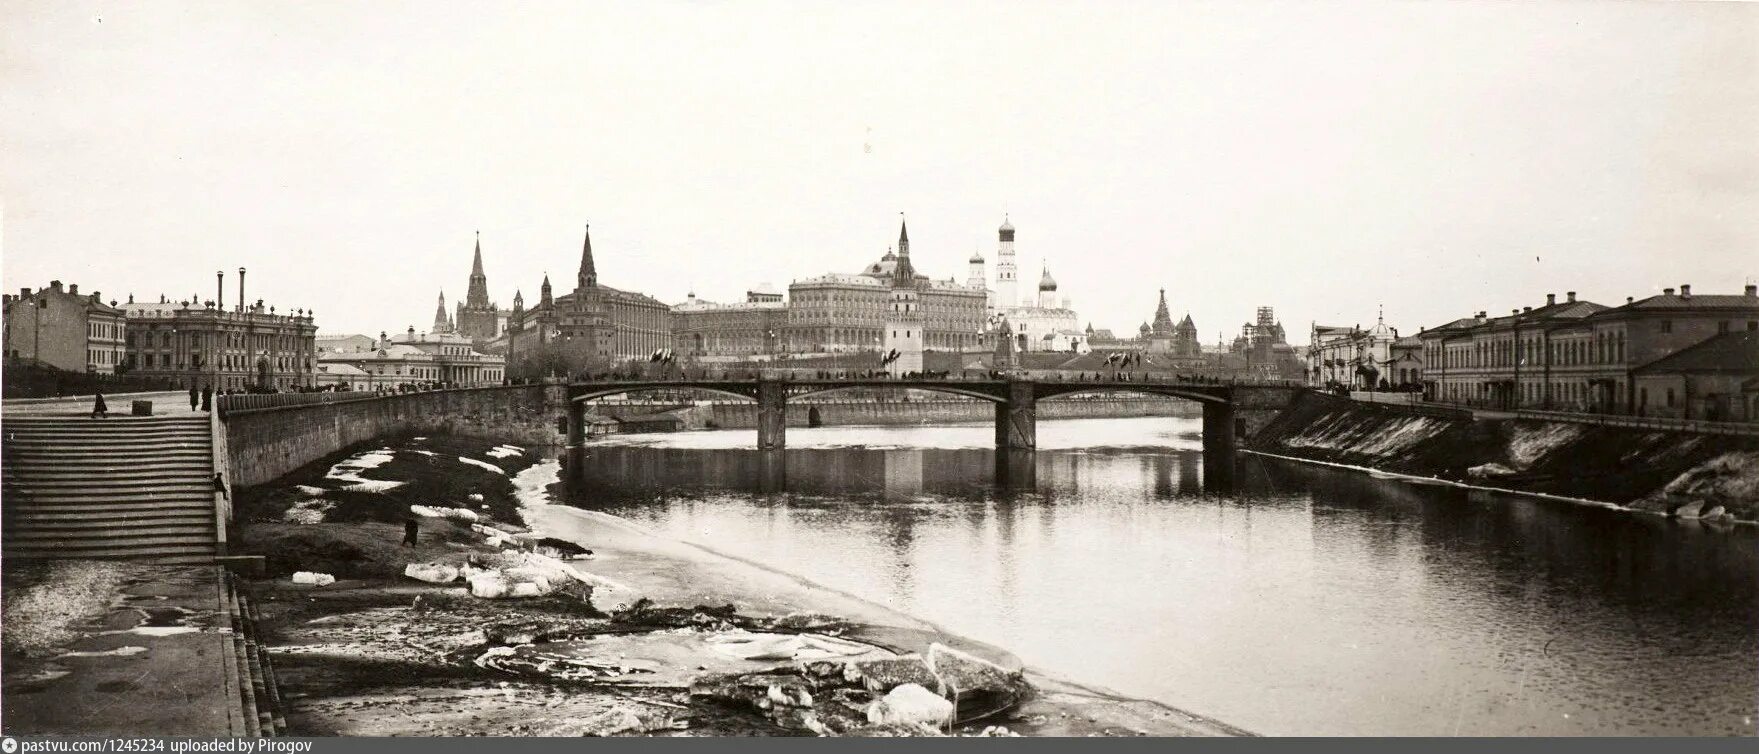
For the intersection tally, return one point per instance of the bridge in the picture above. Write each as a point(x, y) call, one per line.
point(1232, 408)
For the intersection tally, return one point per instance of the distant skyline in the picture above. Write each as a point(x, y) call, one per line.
point(1323, 158)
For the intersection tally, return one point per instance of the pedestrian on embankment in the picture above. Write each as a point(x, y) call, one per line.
point(100, 410)
point(207, 397)
point(195, 397)
point(411, 528)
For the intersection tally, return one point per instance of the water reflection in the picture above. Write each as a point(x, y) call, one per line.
point(1297, 600)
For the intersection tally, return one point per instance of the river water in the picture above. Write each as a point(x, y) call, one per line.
point(1297, 600)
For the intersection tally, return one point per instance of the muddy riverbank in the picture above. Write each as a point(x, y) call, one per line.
point(654, 637)
point(1683, 474)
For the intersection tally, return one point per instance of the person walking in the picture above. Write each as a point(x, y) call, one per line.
point(100, 410)
point(195, 397)
point(208, 398)
point(411, 527)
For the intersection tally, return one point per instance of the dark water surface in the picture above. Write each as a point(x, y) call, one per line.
point(1304, 600)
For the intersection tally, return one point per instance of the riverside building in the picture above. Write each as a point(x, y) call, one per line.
point(201, 344)
point(65, 329)
point(1578, 355)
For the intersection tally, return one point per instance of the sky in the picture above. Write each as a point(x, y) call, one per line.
point(1324, 158)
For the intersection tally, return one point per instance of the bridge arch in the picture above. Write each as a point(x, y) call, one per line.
point(612, 390)
point(950, 389)
point(1049, 391)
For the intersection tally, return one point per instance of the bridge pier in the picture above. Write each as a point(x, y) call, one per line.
point(1017, 418)
point(576, 423)
point(1218, 446)
point(1017, 470)
point(772, 415)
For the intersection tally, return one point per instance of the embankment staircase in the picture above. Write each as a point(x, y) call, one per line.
point(137, 488)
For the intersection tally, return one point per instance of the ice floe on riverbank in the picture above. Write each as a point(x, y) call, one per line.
point(348, 470)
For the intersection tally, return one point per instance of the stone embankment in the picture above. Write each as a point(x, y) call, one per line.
point(1684, 474)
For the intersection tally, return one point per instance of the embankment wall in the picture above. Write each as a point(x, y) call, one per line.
point(263, 444)
point(1675, 472)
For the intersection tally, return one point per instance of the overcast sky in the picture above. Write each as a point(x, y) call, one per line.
point(1438, 158)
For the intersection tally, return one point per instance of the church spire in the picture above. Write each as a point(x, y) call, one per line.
point(589, 274)
point(544, 292)
point(1163, 320)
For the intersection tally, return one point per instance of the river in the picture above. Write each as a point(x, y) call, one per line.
point(1302, 601)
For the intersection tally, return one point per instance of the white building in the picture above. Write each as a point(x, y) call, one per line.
point(1350, 356)
point(1045, 323)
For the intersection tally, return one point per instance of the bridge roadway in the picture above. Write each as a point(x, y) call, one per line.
point(1232, 408)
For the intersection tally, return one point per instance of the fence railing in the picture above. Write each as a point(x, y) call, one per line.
point(1644, 422)
point(250, 401)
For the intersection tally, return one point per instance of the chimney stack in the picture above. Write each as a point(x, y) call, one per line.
point(1526, 310)
point(1572, 295)
point(73, 290)
point(1667, 291)
point(1550, 299)
point(1629, 299)
point(242, 306)
point(220, 288)
point(1685, 290)
point(26, 292)
point(1752, 291)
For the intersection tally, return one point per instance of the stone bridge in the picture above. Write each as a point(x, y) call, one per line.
point(1231, 408)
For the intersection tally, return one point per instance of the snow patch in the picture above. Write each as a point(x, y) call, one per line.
point(117, 652)
point(506, 451)
point(1528, 444)
point(531, 486)
point(484, 464)
point(308, 511)
point(1731, 477)
point(348, 470)
point(310, 490)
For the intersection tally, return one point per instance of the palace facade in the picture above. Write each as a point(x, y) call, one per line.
point(847, 312)
point(203, 344)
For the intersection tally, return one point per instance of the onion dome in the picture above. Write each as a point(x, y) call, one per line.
point(1046, 282)
point(976, 258)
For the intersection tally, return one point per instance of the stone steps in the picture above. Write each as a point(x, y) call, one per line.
point(138, 488)
point(260, 709)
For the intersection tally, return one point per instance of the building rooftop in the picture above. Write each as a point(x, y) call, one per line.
point(1736, 352)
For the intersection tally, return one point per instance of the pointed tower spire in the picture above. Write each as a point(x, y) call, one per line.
point(440, 318)
point(476, 298)
point(589, 274)
point(544, 292)
point(903, 274)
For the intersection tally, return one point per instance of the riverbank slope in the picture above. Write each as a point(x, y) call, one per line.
point(1669, 472)
point(377, 653)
